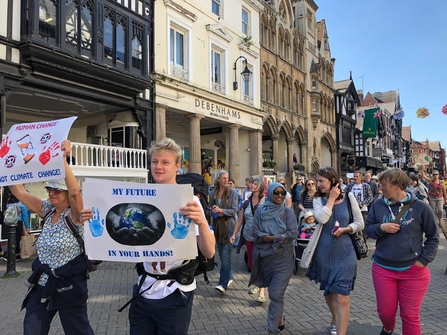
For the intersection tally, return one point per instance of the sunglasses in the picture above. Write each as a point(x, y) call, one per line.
point(308, 184)
point(54, 190)
point(435, 174)
point(283, 193)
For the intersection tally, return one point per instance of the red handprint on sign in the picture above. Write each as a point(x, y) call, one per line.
point(4, 147)
point(49, 153)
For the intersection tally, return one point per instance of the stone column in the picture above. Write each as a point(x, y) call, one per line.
point(195, 164)
point(234, 168)
point(160, 123)
point(255, 142)
point(334, 162)
point(289, 172)
point(304, 158)
point(275, 138)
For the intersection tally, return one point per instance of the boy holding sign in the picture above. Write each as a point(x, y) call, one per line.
point(164, 306)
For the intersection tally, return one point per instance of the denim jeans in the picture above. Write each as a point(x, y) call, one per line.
point(226, 273)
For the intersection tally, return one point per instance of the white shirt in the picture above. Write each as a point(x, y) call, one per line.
point(357, 190)
point(160, 288)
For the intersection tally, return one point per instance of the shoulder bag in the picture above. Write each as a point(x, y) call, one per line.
point(360, 247)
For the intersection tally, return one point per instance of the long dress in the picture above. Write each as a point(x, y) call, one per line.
point(334, 264)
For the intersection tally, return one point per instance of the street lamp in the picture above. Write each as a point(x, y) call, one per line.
point(246, 74)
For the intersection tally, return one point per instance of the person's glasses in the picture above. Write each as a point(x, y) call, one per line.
point(283, 193)
point(310, 184)
point(54, 190)
point(436, 174)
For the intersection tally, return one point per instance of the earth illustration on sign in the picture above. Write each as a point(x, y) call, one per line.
point(135, 224)
point(134, 217)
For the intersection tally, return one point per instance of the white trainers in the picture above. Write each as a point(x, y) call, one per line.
point(333, 329)
point(260, 299)
point(229, 283)
point(220, 289)
point(254, 290)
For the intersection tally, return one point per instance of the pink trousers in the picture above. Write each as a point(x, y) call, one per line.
point(406, 288)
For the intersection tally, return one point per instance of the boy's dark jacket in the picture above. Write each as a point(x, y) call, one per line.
point(406, 246)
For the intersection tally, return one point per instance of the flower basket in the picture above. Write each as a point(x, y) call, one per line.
point(298, 167)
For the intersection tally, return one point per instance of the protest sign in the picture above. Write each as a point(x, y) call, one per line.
point(31, 152)
point(134, 222)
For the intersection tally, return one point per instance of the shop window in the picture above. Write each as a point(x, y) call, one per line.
point(217, 71)
point(216, 7)
point(115, 43)
point(177, 51)
point(47, 20)
point(79, 27)
point(245, 22)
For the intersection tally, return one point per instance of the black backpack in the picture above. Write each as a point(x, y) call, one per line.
point(201, 190)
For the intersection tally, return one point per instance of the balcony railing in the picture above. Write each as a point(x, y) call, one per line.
point(107, 161)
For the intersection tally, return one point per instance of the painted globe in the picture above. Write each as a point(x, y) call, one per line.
point(134, 217)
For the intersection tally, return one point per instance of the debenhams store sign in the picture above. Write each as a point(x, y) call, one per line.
point(216, 110)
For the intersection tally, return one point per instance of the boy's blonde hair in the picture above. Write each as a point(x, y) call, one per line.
point(167, 144)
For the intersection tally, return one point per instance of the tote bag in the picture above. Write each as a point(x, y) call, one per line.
point(308, 253)
point(28, 248)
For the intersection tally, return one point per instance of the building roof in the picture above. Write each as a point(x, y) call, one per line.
point(320, 29)
point(406, 133)
point(390, 96)
point(342, 85)
point(434, 145)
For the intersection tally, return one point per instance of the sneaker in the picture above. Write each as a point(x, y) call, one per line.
point(229, 283)
point(333, 329)
point(220, 289)
point(383, 332)
point(260, 299)
point(254, 290)
point(18, 257)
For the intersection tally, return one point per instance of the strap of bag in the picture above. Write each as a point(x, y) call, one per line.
point(402, 211)
point(351, 216)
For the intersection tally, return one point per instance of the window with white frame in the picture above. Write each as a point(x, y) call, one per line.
point(217, 70)
point(247, 86)
point(177, 51)
point(216, 7)
point(245, 22)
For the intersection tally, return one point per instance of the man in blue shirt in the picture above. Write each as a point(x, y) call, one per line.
point(296, 190)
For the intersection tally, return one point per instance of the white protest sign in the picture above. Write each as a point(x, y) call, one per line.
point(31, 152)
point(134, 222)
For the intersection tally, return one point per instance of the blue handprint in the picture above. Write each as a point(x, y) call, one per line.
point(95, 224)
point(181, 226)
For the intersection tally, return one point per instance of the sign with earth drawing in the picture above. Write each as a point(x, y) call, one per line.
point(134, 222)
point(31, 152)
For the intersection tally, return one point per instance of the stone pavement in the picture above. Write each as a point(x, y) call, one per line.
point(237, 312)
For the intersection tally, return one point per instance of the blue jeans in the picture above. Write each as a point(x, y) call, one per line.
point(226, 273)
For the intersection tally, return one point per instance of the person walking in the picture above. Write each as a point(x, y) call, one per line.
point(274, 229)
point(223, 204)
point(437, 196)
point(58, 283)
point(282, 181)
point(400, 261)
point(296, 190)
point(306, 197)
point(245, 223)
point(334, 264)
point(23, 226)
point(164, 306)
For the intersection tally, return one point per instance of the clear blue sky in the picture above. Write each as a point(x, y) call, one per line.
point(394, 44)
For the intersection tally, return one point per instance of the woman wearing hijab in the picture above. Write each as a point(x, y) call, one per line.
point(274, 229)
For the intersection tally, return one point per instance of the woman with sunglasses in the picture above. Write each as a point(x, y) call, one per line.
point(307, 197)
point(274, 230)
point(437, 196)
point(334, 263)
point(58, 283)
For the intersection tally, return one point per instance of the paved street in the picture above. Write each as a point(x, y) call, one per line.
point(236, 312)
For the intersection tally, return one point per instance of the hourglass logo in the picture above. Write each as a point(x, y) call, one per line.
point(27, 148)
